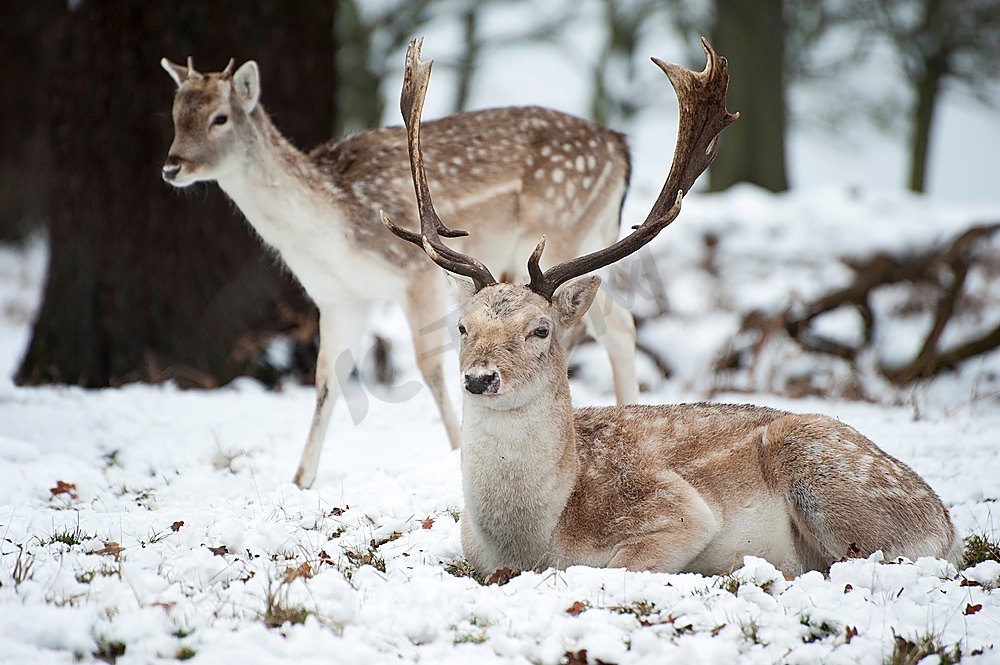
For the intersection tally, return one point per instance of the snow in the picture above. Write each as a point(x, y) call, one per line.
point(159, 476)
point(151, 524)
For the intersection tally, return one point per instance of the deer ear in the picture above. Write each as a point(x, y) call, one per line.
point(572, 300)
point(462, 289)
point(247, 83)
point(177, 72)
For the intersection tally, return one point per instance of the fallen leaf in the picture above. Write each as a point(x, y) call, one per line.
point(303, 570)
point(972, 609)
point(968, 582)
point(176, 526)
point(502, 575)
point(576, 608)
point(427, 523)
point(575, 657)
point(847, 587)
point(218, 551)
point(62, 487)
point(336, 512)
point(111, 548)
point(718, 629)
point(850, 632)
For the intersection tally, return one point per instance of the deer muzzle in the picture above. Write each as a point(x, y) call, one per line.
point(482, 383)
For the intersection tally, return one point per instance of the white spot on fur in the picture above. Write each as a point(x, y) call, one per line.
point(557, 176)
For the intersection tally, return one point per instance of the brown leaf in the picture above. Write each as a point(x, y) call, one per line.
point(303, 570)
point(576, 608)
point(574, 657)
point(111, 548)
point(176, 526)
point(218, 551)
point(847, 587)
point(968, 582)
point(62, 487)
point(972, 609)
point(336, 512)
point(718, 629)
point(850, 632)
point(427, 523)
point(502, 575)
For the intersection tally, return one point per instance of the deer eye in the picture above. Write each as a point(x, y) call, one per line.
point(541, 332)
point(220, 119)
point(461, 329)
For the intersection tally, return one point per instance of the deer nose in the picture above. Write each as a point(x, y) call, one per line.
point(486, 383)
point(171, 167)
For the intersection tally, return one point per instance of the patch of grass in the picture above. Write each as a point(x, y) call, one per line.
point(109, 650)
point(979, 548)
point(24, 565)
point(819, 631)
point(185, 653)
point(106, 570)
point(474, 633)
point(645, 611)
point(905, 652)
point(365, 557)
point(461, 568)
point(68, 537)
point(278, 613)
point(751, 631)
point(728, 582)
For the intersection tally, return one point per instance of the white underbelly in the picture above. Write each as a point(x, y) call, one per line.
point(758, 528)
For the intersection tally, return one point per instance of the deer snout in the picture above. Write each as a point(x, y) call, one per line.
point(482, 383)
point(171, 168)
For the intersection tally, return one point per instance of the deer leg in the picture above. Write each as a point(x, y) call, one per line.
point(429, 327)
point(684, 526)
point(614, 328)
point(340, 331)
point(848, 498)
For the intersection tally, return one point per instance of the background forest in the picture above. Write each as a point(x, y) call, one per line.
point(145, 284)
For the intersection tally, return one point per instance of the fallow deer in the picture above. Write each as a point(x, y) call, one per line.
point(689, 487)
point(513, 172)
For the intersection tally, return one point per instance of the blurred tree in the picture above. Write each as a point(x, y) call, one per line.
point(145, 283)
point(937, 42)
point(366, 33)
point(618, 94)
point(25, 43)
point(751, 34)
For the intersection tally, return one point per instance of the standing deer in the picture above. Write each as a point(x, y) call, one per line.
point(513, 172)
point(691, 487)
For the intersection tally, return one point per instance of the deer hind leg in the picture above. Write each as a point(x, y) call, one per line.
point(340, 330)
point(847, 498)
point(429, 323)
point(614, 328)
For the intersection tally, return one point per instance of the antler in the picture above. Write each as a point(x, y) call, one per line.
point(411, 104)
point(701, 98)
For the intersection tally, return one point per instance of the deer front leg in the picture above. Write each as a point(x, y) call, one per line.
point(428, 321)
point(340, 329)
point(614, 328)
point(667, 532)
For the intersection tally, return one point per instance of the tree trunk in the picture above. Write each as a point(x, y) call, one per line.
point(927, 89)
point(25, 43)
point(145, 282)
point(751, 34)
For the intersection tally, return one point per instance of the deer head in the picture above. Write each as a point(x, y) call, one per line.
point(513, 335)
point(211, 116)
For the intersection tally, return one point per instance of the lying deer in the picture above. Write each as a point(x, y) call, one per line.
point(691, 487)
point(514, 172)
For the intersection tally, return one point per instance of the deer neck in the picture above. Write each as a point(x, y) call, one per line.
point(519, 467)
point(275, 186)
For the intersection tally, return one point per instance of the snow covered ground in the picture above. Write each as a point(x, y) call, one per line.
point(147, 524)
